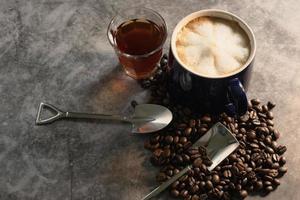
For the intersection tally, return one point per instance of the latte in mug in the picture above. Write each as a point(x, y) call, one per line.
point(212, 46)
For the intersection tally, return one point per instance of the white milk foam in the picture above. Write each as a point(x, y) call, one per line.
point(212, 46)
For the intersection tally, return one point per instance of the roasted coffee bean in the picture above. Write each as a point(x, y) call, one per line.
point(169, 139)
point(259, 185)
point(269, 188)
point(185, 158)
point(175, 184)
point(197, 162)
point(270, 115)
point(188, 131)
point(270, 122)
point(209, 185)
point(276, 134)
point(282, 160)
point(175, 193)
point(161, 177)
point(276, 182)
point(184, 193)
point(206, 119)
point(268, 178)
point(243, 194)
point(227, 173)
point(183, 140)
point(195, 189)
point(270, 150)
point(275, 165)
point(282, 170)
point(255, 102)
point(251, 134)
point(169, 172)
point(195, 156)
point(271, 105)
point(281, 149)
point(267, 183)
point(215, 178)
point(253, 145)
point(195, 197)
point(166, 153)
point(157, 152)
point(176, 139)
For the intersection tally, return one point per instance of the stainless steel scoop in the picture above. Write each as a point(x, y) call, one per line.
point(145, 119)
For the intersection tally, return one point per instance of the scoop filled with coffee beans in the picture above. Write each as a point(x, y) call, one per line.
point(255, 167)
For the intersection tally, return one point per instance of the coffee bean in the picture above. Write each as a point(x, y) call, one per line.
point(183, 140)
point(206, 119)
point(269, 188)
point(169, 172)
point(175, 184)
point(271, 105)
point(175, 193)
point(209, 185)
point(195, 188)
point(185, 158)
point(256, 122)
point(270, 150)
point(276, 182)
point(195, 156)
point(267, 183)
point(255, 101)
point(188, 131)
point(227, 173)
point(157, 152)
point(282, 170)
point(270, 122)
point(268, 178)
point(195, 197)
point(243, 194)
point(270, 115)
point(282, 160)
point(275, 165)
point(161, 177)
point(259, 185)
point(184, 193)
point(197, 162)
point(176, 139)
point(169, 139)
point(276, 134)
point(166, 153)
point(251, 134)
point(215, 178)
point(253, 145)
point(281, 149)
point(265, 108)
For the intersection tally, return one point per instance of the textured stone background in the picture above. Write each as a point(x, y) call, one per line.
point(57, 51)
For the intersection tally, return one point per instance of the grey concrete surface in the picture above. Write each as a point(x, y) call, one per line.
point(57, 51)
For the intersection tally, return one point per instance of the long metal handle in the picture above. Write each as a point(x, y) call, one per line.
point(166, 184)
point(76, 115)
point(61, 114)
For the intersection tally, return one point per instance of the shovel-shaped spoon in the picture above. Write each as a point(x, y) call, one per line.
point(146, 118)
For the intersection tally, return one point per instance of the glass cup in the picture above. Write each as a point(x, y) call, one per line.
point(137, 36)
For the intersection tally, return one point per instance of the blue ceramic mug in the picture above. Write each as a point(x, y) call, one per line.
point(213, 94)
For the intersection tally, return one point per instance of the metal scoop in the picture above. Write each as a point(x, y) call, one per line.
point(145, 119)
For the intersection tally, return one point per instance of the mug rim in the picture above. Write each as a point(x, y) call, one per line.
point(221, 14)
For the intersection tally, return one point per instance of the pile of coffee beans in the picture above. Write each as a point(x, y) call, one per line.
point(255, 167)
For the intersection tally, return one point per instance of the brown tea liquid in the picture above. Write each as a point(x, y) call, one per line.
point(141, 39)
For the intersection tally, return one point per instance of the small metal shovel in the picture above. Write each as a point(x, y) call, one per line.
point(219, 143)
point(145, 119)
